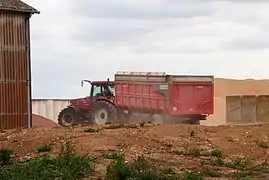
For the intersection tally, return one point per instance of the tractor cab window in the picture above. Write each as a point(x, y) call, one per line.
point(102, 90)
point(97, 90)
point(111, 89)
point(108, 90)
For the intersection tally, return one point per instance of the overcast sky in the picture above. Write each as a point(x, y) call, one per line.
point(92, 39)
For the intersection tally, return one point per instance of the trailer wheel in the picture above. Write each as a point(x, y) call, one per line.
point(103, 112)
point(68, 117)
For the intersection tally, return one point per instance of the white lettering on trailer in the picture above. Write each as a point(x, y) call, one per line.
point(163, 87)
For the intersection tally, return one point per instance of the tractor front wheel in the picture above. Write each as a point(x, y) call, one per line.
point(103, 112)
point(68, 117)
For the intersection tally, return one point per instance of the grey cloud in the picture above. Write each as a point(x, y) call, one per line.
point(249, 13)
point(172, 50)
point(108, 9)
point(124, 22)
point(123, 31)
point(110, 32)
point(257, 43)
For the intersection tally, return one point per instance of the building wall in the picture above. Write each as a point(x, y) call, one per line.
point(49, 108)
point(15, 81)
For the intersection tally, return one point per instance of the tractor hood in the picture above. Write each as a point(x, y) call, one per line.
point(77, 101)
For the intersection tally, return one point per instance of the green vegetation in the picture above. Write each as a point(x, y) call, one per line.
point(43, 148)
point(5, 156)
point(214, 161)
point(70, 166)
point(121, 125)
point(113, 155)
point(263, 144)
point(192, 176)
point(91, 130)
point(216, 153)
point(67, 166)
point(194, 152)
point(139, 169)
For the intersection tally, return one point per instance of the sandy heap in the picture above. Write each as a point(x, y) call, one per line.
point(39, 121)
point(228, 87)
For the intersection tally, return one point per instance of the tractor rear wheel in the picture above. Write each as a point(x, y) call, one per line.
point(103, 112)
point(68, 117)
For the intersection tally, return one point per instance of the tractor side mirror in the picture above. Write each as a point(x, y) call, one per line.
point(82, 82)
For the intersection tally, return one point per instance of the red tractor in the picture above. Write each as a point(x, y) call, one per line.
point(97, 108)
point(162, 98)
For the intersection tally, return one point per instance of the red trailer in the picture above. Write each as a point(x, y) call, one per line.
point(164, 98)
point(182, 97)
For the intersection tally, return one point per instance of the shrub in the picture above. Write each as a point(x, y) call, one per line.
point(140, 169)
point(91, 130)
point(67, 166)
point(43, 148)
point(5, 156)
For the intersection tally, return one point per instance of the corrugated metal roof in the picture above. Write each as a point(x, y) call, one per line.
point(17, 6)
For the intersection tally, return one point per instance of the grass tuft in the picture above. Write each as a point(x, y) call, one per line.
point(140, 169)
point(43, 148)
point(5, 156)
point(90, 130)
point(67, 166)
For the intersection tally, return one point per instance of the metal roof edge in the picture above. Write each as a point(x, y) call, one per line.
point(19, 10)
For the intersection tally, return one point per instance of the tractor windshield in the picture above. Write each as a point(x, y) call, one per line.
point(103, 90)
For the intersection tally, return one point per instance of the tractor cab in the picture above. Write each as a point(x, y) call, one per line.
point(99, 89)
point(82, 110)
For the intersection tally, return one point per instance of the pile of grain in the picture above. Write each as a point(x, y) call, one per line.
point(39, 121)
point(228, 87)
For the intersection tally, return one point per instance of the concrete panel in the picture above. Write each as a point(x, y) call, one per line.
point(248, 109)
point(49, 108)
point(262, 109)
point(233, 109)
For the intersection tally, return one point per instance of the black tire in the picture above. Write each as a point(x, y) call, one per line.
point(103, 112)
point(68, 117)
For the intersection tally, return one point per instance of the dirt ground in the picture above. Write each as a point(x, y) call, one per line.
point(156, 142)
